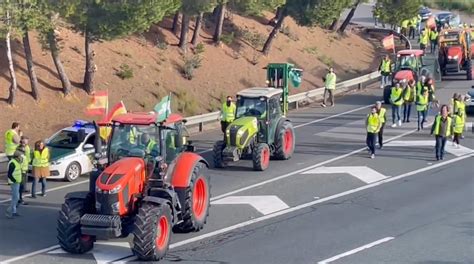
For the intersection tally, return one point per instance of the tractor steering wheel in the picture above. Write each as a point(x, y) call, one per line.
point(254, 112)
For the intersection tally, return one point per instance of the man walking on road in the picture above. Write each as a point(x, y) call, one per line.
point(382, 112)
point(433, 40)
point(12, 139)
point(330, 86)
point(396, 98)
point(385, 69)
point(408, 99)
point(422, 108)
point(227, 113)
point(373, 124)
point(14, 180)
point(25, 150)
point(442, 129)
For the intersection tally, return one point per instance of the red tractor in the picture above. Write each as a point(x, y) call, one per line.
point(149, 183)
point(456, 51)
point(408, 66)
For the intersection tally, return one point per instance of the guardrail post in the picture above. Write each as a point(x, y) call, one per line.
point(359, 86)
point(296, 105)
point(200, 126)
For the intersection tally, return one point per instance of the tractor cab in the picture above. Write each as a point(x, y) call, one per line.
point(408, 65)
point(456, 50)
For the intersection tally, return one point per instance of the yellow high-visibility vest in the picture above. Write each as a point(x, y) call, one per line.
point(395, 94)
point(405, 23)
point(26, 159)
point(373, 123)
point(424, 38)
point(458, 124)
point(17, 172)
point(386, 65)
point(10, 145)
point(330, 81)
point(228, 112)
point(433, 35)
point(41, 159)
point(437, 124)
point(421, 103)
point(381, 113)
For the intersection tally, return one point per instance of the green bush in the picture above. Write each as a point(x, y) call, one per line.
point(228, 39)
point(162, 45)
point(326, 60)
point(286, 30)
point(255, 39)
point(311, 50)
point(125, 72)
point(199, 48)
point(190, 63)
point(186, 103)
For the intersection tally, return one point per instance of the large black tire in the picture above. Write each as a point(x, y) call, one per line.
point(152, 231)
point(69, 227)
point(469, 70)
point(196, 197)
point(73, 171)
point(285, 141)
point(386, 94)
point(261, 157)
point(217, 154)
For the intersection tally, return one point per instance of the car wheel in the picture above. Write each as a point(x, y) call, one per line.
point(73, 171)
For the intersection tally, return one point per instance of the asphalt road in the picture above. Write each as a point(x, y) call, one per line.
point(329, 202)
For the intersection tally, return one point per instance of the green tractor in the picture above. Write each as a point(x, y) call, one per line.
point(261, 128)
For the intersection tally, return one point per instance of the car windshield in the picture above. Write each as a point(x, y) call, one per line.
point(134, 141)
point(65, 139)
point(251, 107)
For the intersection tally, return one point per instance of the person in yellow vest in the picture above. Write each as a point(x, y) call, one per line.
point(408, 98)
point(133, 135)
point(329, 85)
point(412, 24)
point(433, 40)
point(458, 127)
point(14, 180)
point(432, 102)
point(404, 26)
point(40, 167)
point(453, 104)
point(396, 99)
point(424, 38)
point(382, 112)
point(385, 69)
point(12, 139)
point(25, 150)
point(442, 129)
point(227, 113)
point(422, 108)
point(150, 145)
point(420, 85)
point(372, 124)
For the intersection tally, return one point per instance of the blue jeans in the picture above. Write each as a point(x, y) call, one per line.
point(406, 111)
point(396, 113)
point(15, 187)
point(421, 119)
point(385, 79)
point(33, 186)
point(439, 146)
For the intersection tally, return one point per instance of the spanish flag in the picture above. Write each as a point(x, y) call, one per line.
point(431, 22)
point(388, 42)
point(105, 129)
point(98, 104)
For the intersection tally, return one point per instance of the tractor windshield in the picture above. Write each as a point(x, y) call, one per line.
point(134, 141)
point(256, 107)
point(407, 62)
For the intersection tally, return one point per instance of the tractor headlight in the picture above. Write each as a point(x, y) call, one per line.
point(240, 132)
point(116, 189)
point(116, 207)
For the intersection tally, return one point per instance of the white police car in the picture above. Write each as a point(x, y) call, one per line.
point(72, 151)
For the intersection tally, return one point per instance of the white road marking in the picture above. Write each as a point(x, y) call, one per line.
point(461, 151)
point(333, 116)
point(105, 252)
point(30, 254)
point(363, 173)
point(265, 204)
point(356, 250)
point(52, 189)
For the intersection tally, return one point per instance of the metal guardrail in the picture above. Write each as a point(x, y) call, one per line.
point(295, 99)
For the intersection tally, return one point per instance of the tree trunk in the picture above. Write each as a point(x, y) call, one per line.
point(334, 24)
point(219, 24)
point(348, 18)
point(175, 28)
point(197, 29)
point(273, 34)
point(90, 66)
point(30, 65)
point(53, 46)
point(11, 69)
point(183, 39)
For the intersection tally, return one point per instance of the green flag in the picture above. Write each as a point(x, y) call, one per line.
point(295, 77)
point(163, 109)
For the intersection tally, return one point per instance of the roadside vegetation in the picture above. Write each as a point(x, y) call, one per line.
point(459, 5)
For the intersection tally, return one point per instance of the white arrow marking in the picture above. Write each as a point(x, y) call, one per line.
point(363, 173)
point(458, 152)
point(105, 252)
point(265, 204)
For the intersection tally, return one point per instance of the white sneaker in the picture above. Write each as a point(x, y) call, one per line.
point(372, 156)
point(323, 105)
point(394, 125)
point(399, 123)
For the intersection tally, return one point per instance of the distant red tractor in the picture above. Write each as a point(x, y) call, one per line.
point(456, 52)
point(408, 66)
point(150, 184)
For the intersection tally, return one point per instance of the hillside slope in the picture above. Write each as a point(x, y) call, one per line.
point(157, 65)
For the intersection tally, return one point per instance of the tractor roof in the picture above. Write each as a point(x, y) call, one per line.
point(259, 92)
point(140, 118)
point(414, 52)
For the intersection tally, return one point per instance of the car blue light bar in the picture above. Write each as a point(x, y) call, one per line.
point(80, 123)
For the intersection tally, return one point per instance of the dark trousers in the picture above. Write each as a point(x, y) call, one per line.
point(406, 111)
point(457, 137)
point(411, 33)
point(371, 142)
point(396, 113)
point(330, 94)
point(421, 119)
point(33, 186)
point(433, 45)
point(380, 134)
point(23, 184)
point(439, 146)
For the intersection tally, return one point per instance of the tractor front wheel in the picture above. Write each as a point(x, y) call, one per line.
point(69, 227)
point(152, 231)
point(196, 199)
point(285, 141)
point(217, 154)
point(261, 157)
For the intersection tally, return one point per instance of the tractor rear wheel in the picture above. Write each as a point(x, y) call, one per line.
point(285, 141)
point(152, 231)
point(69, 227)
point(469, 69)
point(217, 154)
point(261, 157)
point(196, 197)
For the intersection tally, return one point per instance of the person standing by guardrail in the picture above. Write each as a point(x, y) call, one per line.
point(329, 87)
point(227, 113)
point(396, 99)
point(12, 139)
point(25, 150)
point(14, 180)
point(40, 167)
point(385, 69)
point(442, 129)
